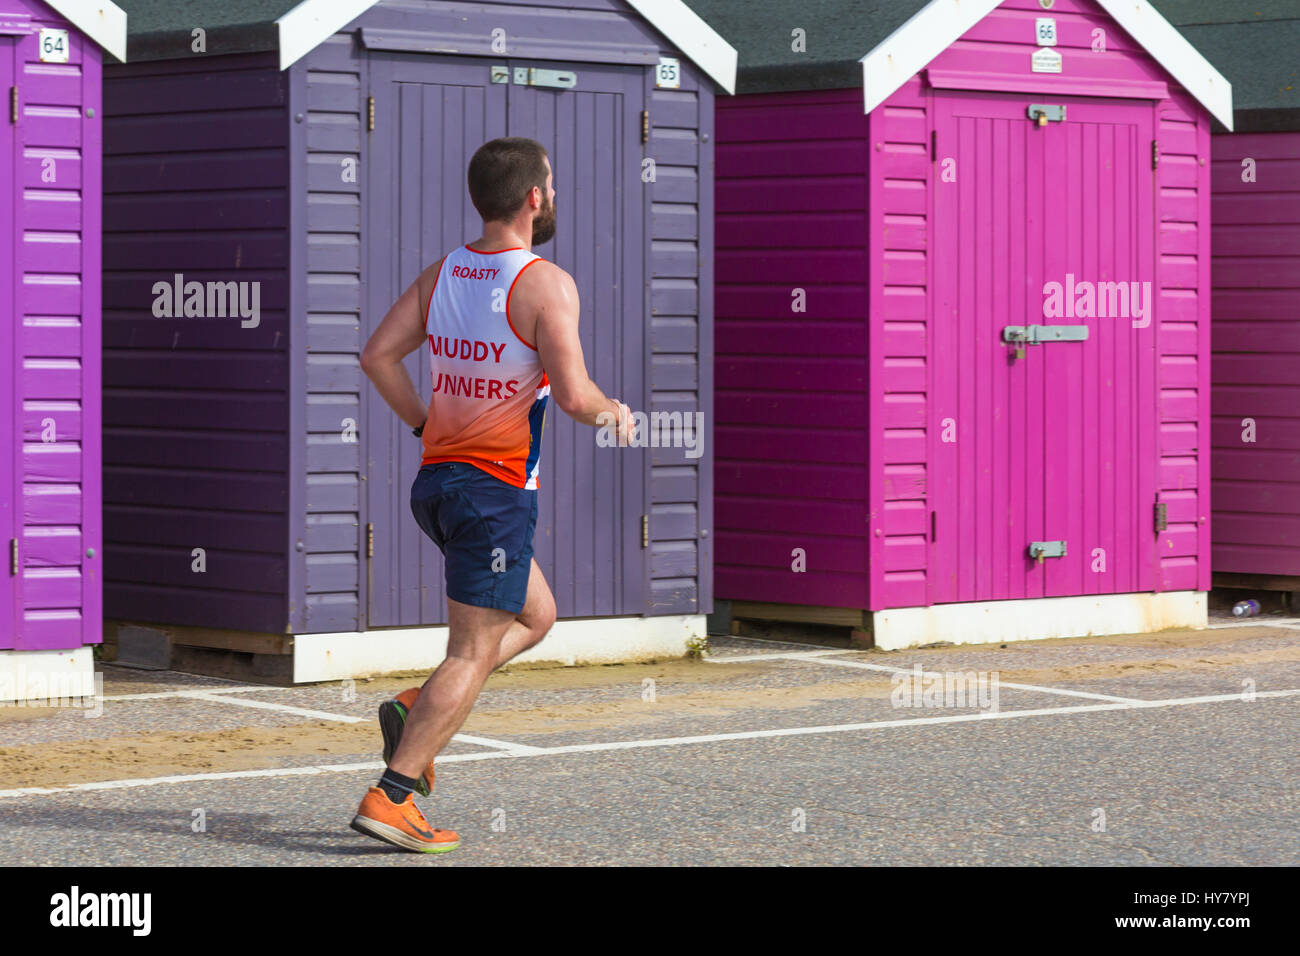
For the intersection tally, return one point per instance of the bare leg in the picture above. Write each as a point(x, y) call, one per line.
point(534, 621)
point(479, 640)
point(445, 701)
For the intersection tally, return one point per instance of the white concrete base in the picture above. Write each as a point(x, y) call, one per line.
point(609, 640)
point(988, 622)
point(40, 676)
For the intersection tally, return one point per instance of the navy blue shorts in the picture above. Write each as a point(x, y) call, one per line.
point(484, 529)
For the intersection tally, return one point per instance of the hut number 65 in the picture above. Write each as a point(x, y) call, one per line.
point(54, 46)
point(668, 74)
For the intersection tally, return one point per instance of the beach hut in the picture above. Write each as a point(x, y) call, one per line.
point(962, 307)
point(277, 173)
point(50, 605)
point(1255, 305)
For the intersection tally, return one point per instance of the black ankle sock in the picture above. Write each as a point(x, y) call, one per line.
point(397, 787)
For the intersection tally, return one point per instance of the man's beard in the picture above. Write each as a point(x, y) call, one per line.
point(544, 224)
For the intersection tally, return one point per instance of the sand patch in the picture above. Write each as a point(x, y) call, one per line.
point(1103, 670)
point(252, 748)
point(632, 710)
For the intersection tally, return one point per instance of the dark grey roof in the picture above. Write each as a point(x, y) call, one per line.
point(1184, 12)
point(838, 34)
point(161, 29)
point(1256, 45)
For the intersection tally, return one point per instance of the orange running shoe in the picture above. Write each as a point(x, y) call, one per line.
point(392, 718)
point(401, 824)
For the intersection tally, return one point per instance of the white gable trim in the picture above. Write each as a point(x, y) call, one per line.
point(101, 20)
point(938, 24)
point(311, 22)
point(695, 38)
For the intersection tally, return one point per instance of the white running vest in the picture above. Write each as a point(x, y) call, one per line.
point(489, 388)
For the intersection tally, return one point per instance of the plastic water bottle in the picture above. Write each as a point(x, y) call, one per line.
point(1245, 609)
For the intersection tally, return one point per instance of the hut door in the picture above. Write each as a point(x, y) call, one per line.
point(9, 354)
point(589, 530)
point(588, 537)
point(1052, 440)
point(431, 114)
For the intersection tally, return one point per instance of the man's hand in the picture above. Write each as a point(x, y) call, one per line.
point(626, 425)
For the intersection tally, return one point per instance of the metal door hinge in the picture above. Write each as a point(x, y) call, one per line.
point(934, 526)
point(645, 531)
point(934, 145)
point(1155, 153)
point(645, 126)
point(370, 113)
point(13, 105)
point(1162, 516)
point(13, 556)
point(370, 540)
point(1046, 549)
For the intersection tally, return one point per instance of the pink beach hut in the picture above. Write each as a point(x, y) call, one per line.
point(963, 303)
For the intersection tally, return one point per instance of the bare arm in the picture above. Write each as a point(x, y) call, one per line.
point(399, 334)
point(556, 300)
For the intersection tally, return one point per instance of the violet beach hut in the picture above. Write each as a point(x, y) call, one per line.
point(257, 488)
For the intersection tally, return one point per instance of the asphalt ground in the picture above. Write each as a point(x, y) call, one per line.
point(1178, 748)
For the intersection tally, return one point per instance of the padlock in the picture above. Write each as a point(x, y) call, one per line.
point(1042, 119)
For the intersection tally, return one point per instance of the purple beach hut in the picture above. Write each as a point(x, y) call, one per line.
point(277, 173)
point(51, 53)
point(962, 318)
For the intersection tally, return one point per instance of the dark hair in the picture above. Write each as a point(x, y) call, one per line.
point(502, 173)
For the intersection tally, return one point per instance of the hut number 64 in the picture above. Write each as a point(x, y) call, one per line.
point(54, 46)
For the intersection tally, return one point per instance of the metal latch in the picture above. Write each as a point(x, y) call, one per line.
point(1044, 113)
point(533, 76)
point(1046, 549)
point(1022, 335)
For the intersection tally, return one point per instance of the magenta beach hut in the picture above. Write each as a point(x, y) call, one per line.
point(50, 605)
point(962, 318)
point(1255, 270)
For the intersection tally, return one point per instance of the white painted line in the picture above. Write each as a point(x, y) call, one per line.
point(285, 708)
point(197, 692)
point(215, 696)
point(658, 742)
point(1001, 683)
point(497, 744)
point(775, 656)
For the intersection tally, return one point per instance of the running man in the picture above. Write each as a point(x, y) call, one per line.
point(501, 326)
